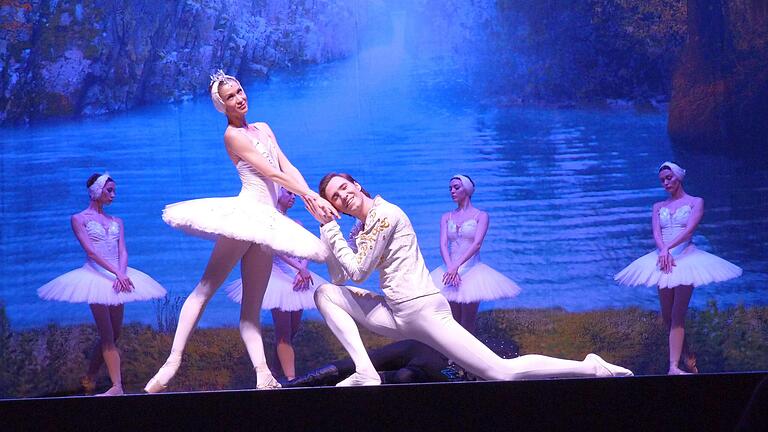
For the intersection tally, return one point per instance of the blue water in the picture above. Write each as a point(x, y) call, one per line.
point(569, 192)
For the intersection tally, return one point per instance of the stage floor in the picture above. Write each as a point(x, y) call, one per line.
point(651, 403)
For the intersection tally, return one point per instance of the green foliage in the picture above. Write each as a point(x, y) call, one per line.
point(50, 360)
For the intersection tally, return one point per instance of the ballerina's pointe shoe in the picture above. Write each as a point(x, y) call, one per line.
point(159, 382)
point(677, 371)
point(358, 379)
point(605, 369)
point(115, 390)
point(266, 382)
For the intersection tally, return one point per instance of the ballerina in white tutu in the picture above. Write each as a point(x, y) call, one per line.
point(677, 266)
point(105, 281)
point(247, 228)
point(465, 281)
point(290, 291)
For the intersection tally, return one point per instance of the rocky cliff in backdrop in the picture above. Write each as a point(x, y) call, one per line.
point(71, 58)
point(720, 88)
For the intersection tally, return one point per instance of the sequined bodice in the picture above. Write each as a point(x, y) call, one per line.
point(255, 184)
point(104, 239)
point(672, 223)
point(460, 238)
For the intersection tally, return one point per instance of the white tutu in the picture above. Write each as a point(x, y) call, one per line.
point(93, 285)
point(692, 267)
point(251, 216)
point(479, 283)
point(244, 218)
point(280, 294)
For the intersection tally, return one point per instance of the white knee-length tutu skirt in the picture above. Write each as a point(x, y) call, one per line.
point(280, 294)
point(244, 218)
point(479, 282)
point(692, 267)
point(92, 284)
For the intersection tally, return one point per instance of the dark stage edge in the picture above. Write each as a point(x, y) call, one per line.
point(705, 402)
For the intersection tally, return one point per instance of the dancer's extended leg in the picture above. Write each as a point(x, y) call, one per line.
point(429, 320)
point(225, 255)
point(255, 269)
point(341, 306)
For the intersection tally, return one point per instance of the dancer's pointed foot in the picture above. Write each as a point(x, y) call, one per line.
point(159, 382)
point(674, 370)
point(605, 369)
point(266, 381)
point(360, 379)
point(115, 390)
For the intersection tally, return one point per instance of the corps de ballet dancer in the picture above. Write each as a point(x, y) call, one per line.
point(412, 306)
point(289, 293)
point(246, 228)
point(105, 281)
point(676, 266)
point(464, 280)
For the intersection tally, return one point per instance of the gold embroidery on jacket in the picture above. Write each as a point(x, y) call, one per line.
point(366, 241)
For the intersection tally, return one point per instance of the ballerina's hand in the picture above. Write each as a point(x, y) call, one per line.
point(451, 277)
point(124, 282)
point(329, 210)
point(670, 263)
point(302, 281)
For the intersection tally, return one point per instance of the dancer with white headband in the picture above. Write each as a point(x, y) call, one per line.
point(411, 307)
point(676, 266)
point(105, 281)
point(463, 279)
point(246, 228)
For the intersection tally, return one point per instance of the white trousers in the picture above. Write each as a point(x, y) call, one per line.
point(428, 320)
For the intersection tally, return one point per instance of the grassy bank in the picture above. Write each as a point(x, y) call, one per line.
point(50, 360)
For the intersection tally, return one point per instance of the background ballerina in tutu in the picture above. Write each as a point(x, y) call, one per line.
point(465, 281)
point(105, 281)
point(290, 291)
point(677, 266)
point(247, 228)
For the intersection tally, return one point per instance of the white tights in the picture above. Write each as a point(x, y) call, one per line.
point(255, 267)
point(429, 320)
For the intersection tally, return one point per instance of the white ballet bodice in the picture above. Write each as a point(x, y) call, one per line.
point(256, 185)
point(104, 241)
point(673, 223)
point(460, 238)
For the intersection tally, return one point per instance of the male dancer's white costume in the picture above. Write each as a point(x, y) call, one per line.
point(412, 307)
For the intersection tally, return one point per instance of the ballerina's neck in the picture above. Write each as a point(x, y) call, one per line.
point(96, 207)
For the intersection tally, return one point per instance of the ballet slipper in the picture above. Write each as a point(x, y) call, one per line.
point(159, 382)
point(605, 369)
point(358, 379)
point(115, 390)
point(674, 370)
point(266, 381)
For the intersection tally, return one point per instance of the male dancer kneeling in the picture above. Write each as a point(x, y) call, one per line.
point(412, 307)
